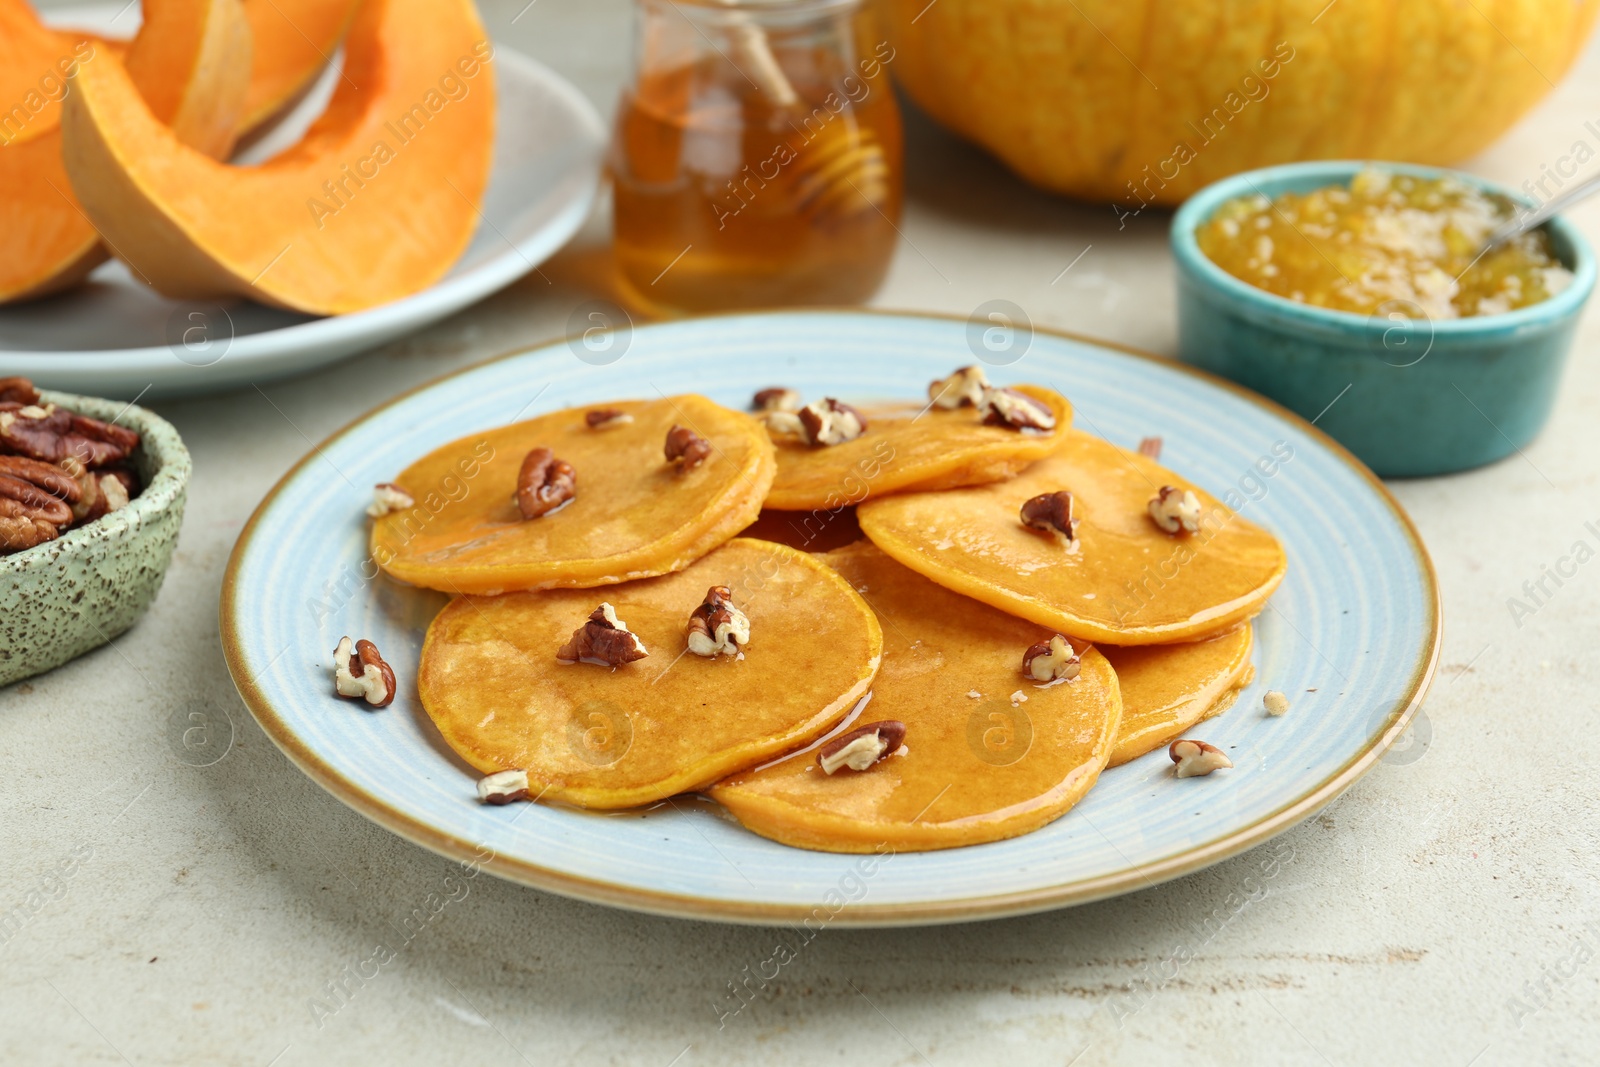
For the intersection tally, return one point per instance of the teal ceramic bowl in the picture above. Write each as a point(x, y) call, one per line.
point(1408, 395)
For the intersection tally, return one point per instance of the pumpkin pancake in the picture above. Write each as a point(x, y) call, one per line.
point(603, 737)
point(635, 514)
point(979, 763)
point(1125, 581)
point(1168, 688)
point(910, 446)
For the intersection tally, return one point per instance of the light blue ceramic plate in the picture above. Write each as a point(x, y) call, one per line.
point(1357, 619)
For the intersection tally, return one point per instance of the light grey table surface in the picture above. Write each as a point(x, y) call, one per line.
point(1443, 911)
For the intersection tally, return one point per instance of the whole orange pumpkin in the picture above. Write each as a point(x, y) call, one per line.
point(1137, 101)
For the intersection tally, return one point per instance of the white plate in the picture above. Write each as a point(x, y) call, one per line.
point(114, 337)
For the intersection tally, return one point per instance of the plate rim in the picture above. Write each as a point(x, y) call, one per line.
point(920, 913)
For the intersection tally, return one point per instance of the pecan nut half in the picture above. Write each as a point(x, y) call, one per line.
point(544, 483)
point(41, 490)
point(358, 671)
point(606, 418)
point(776, 398)
point(1019, 411)
point(1052, 660)
point(863, 747)
point(100, 492)
point(51, 434)
point(18, 391)
point(604, 640)
point(1175, 510)
point(20, 530)
point(1196, 758)
point(1051, 513)
point(716, 627)
point(830, 422)
point(963, 389)
point(685, 447)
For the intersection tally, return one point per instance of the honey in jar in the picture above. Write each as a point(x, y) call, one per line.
point(757, 156)
point(1386, 239)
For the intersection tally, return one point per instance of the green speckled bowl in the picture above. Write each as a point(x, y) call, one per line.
point(1409, 396)
point(59, 600)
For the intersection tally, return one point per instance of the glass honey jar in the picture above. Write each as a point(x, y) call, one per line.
point(757, 158)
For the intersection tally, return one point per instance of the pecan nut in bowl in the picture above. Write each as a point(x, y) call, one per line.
point(51, 434)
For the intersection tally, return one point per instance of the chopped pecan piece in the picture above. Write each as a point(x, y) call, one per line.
point(18, 391)
point(1052, 513)
point(503, 787)
point(1175, 510)
point(544, 483)
point(1052, 660)
point(830, 422)
point(861, 748)
point(716, 627)
point(686, 447)
point(964, 388)
point(1150, 446)
point(358, 671)
point(606, 418)
point(389, 497)
point(1195, 758)
point(604, 639)
point(1007, 407)
point(776, 398)
point(51, 434)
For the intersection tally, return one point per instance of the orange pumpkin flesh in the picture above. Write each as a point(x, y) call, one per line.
point(294, 40)
point(375, 203)
point(191, 65)
point(190, 61)
point(1166, 689)
point(600, 737)
point(975, 768)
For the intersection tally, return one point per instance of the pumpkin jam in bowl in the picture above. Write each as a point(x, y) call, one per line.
point(1359, 295)
point(1385, 237)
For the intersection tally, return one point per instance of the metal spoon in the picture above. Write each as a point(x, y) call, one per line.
point(1532, 220)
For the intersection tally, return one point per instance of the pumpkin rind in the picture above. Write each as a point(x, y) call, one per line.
point(1092, 98)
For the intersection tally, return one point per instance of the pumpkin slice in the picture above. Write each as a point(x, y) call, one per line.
point(190, 62)
point(635, 514)
point(376, 203)
point(910, 447)
point(980, 762)
point(600, 737)
point(295, 40)
point(1168, 688)
point(1127, 582)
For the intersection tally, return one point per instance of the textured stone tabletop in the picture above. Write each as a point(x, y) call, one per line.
point(1443, 911)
